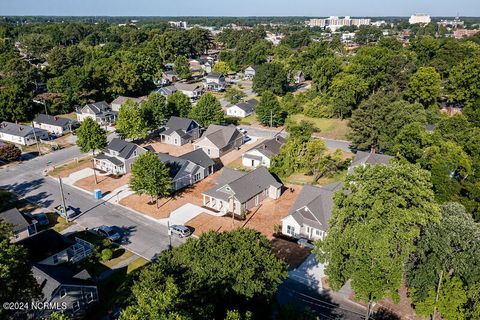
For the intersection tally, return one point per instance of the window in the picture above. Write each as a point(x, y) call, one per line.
point(76, 306)
point(317, 232)
point(63, 293)
point(290, 230)
point(208, 151)
point(89, 297)
point(196, 177)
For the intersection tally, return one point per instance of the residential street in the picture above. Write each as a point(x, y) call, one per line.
point(144, 236)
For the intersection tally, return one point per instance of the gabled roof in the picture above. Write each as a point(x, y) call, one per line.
point(124, 148)
point(188, 86)
point(52, 120)
point(18, 130)
point(214, 75)
point(199, 157)
point(176, 123)
point(221, 136)
point(363, 157)
point(252, 67)
point(15, 218)
point(314, 205)
point(176, 166)
point(97, 107)
point(113, 160)
point(246, 186)
point(270, 148)
point(186, 164)
point(44, 244)
point(121, 100)
point(165, 91)
point(247, 106)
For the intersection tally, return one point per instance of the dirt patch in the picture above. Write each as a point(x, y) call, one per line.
point(191, 195)
point(263, 218)
point(236, 154)
point(403, 308)
point(67, 169)
point(170, 149)
point(289, 251)
point(105, 183)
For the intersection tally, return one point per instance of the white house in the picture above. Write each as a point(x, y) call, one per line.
point(179, 131)
point(219, 140)
point(98, 111)
point(250, 72)
point(53, 124)
point(215, 81)
point(309, 215)
point(118, 156)
point(242, 109)
point(120, 101)
point(263, 154)
point(192, 90)
point(21, 134)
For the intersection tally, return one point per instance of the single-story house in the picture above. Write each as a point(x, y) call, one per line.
point(238, 191)
point(21, 134)
point(120, 101)
point(166, 91)
point(118, 156)
point(22, 226)
point(180, 131)
point(188, 169)
point(363, 158)
point(250, 72)
point(53, 124)
point(169, 77)
point(98, 111)
point(215, 81)
point(242, 109)
point(309, 215)
point(192, 90)
point(74, 292)
point(263, 154)
point(299, 77)
point(219, 140)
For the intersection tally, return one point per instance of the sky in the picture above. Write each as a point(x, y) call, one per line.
point(318, 8)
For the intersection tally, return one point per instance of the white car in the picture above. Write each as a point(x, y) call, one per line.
point(179, 230)
point(108, 232)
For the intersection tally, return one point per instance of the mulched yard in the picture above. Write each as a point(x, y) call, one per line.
point(105, 183)
point(289, 251)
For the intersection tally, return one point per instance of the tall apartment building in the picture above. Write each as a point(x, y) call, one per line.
point(420, 18)
point(335, 22)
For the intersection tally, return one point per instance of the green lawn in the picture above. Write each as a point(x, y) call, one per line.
point(251, 119)
point(136, 264)
point(328, 128)
point(58, 223)
point(302, 178)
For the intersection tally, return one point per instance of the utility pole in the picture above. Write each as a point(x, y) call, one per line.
point(63, 199)
point(369, 308)
point(169, 235)
point(36, 140)
point(438, 293)
point(271, 118)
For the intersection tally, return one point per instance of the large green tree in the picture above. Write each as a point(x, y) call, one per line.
point(209, 276)
point(270, 77)
point(269, 112)
point(91, 137)
point(377, 216)
point(179, 104)
point(155, 111)
point(207, 111)
point(182, 67)
point(424, 86)
point(131, 123)
point(346, 92)
point(150, 176)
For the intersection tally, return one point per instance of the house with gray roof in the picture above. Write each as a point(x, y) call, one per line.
point(309, 215)
point(118, 156)
point(263, 153)
point(98, 111)
point(237, 191)
point(21, 134)
point(121, 100)
point(242, 109)
point(188, 169)
point(53, 124)
point(166, 91)
point(179, 131)
point(74, 292)
point(363, 158)
point(215, 81)
point(250, 72)
point(192, 90)
point(22, 226)
point(218, 140)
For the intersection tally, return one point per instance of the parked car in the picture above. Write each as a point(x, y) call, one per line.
point(71, 212)
point(41, 219)
point(108, 232)
point(246, 139)
point(304, 243)
point(181, 231)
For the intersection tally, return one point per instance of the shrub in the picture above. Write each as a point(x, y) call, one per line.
point(106, 255)
point(9, 153)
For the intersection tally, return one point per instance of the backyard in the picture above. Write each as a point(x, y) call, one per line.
point(328, 128)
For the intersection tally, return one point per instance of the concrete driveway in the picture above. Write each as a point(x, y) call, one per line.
point(185, 213)
point(310, 273)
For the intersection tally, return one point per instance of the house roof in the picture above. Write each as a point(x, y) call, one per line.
point(97, 107)
point(177, 123)
point(214, 75)
point(247, 106)
point(51, 277)
point(246, 186)
point(186, 164)
point(188, 86)
point(124, 148)
point(314, 205)
point(270, 148)
point(52, 120)
point(44, 244)
point(113, 160)
point(165, 91)
point(221, 136)
point(18, 130)
point(15, 218)
point(252, 67)
point(121, 100)
point(363, 157)
point(199, 157)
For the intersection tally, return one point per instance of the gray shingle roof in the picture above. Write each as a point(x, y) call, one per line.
point(363, 157)
point(186, 164)
point(314, 205)
point(271, 147)
point(199, 157)
point(52, 120)
point(121, 100)
point(214, 75)
point(18, 130)
point(247, 106)
point(44, 244)
point(113, 160)
point(98, 107)
point(15, 218)
point(176, 124)
point(124, 148)
point(221, 136)
point(188, 86)
point(166, 91)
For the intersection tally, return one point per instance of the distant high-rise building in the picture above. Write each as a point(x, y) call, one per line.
point(420, 18)
point(455, 23)
point(178, 24)
point(335, 22)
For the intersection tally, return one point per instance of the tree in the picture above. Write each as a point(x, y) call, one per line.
point(131, 123)
point(16, 280)
point(269, 112)
point(424, 86)
point(179, 104)
point(150, 176)
point(242, 274)
point(222, 67)
point(91, 137)
point(234, 95)
point(9, 152)
point(411, 141)
point(207, 111)
point(367, 34)
point(182, 67)
point(270, 77)
point(377, 216)
point(324, 70)
point(346, 92)
point(156, 110)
